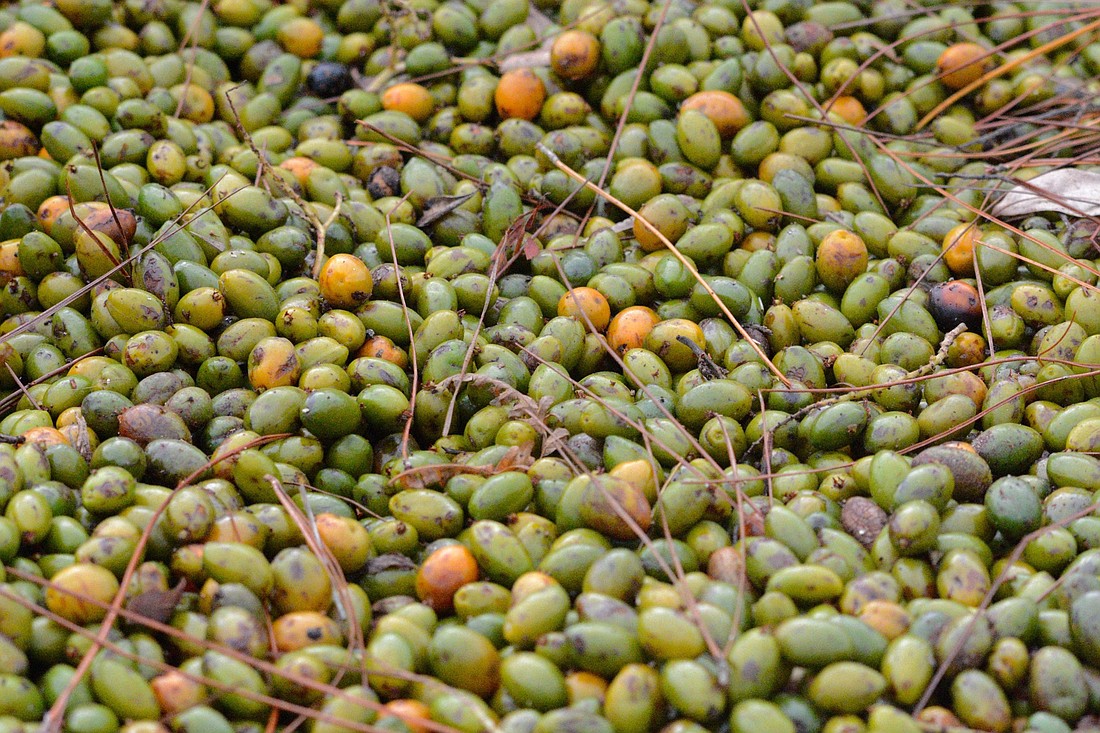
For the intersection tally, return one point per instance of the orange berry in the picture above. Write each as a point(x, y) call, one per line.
point(962, 64)
point(850, 109)
point(9, 260)
point(886, 617)
point(958, 249)
point(50, 209)
point(413, 713)
point(299, 629)
point(176, 692)
point(382, 347)
point(22, 39)
point(442, 573)
point(16, 140)
point(345, 281)
point(410, 98)
point(574, 54)
point(841, 258)
point(629, 328)
point(585, 686)
point(756, 241)
point(586, 304)
point(520, 93)
point(724, 109)
point(45, 436)
point(196, 104)
point(74, 591)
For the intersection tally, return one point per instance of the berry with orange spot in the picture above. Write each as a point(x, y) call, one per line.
point(346, 539)
point(574, 54)
point(299, 629)
point(44, 437)
point(300, 167)
point(81, 593)
point(414, 714)
point(662, 217)
point(724, 109)
point(955, 302)
point(195, 103)
point(968, 349)
point(176, 692)
point(585, 686)
point(666, 340)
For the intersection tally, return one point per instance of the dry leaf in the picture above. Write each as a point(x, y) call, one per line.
point(536, 57)
point(863, 519)
point(515, 240)
point(531, 247)
point(439, 206)
point(527, 59)
point(538, 21)
point(157, 605)
point(554, 441)
point(1067, 191)
point(83, 440)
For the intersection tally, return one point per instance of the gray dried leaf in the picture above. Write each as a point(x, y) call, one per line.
point(527, 59)
point(553, 442)
point(537, 57)
point(863, 519)
point(1067, 191)
point(439, 206)
point(157, 604)
point(538, 21)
